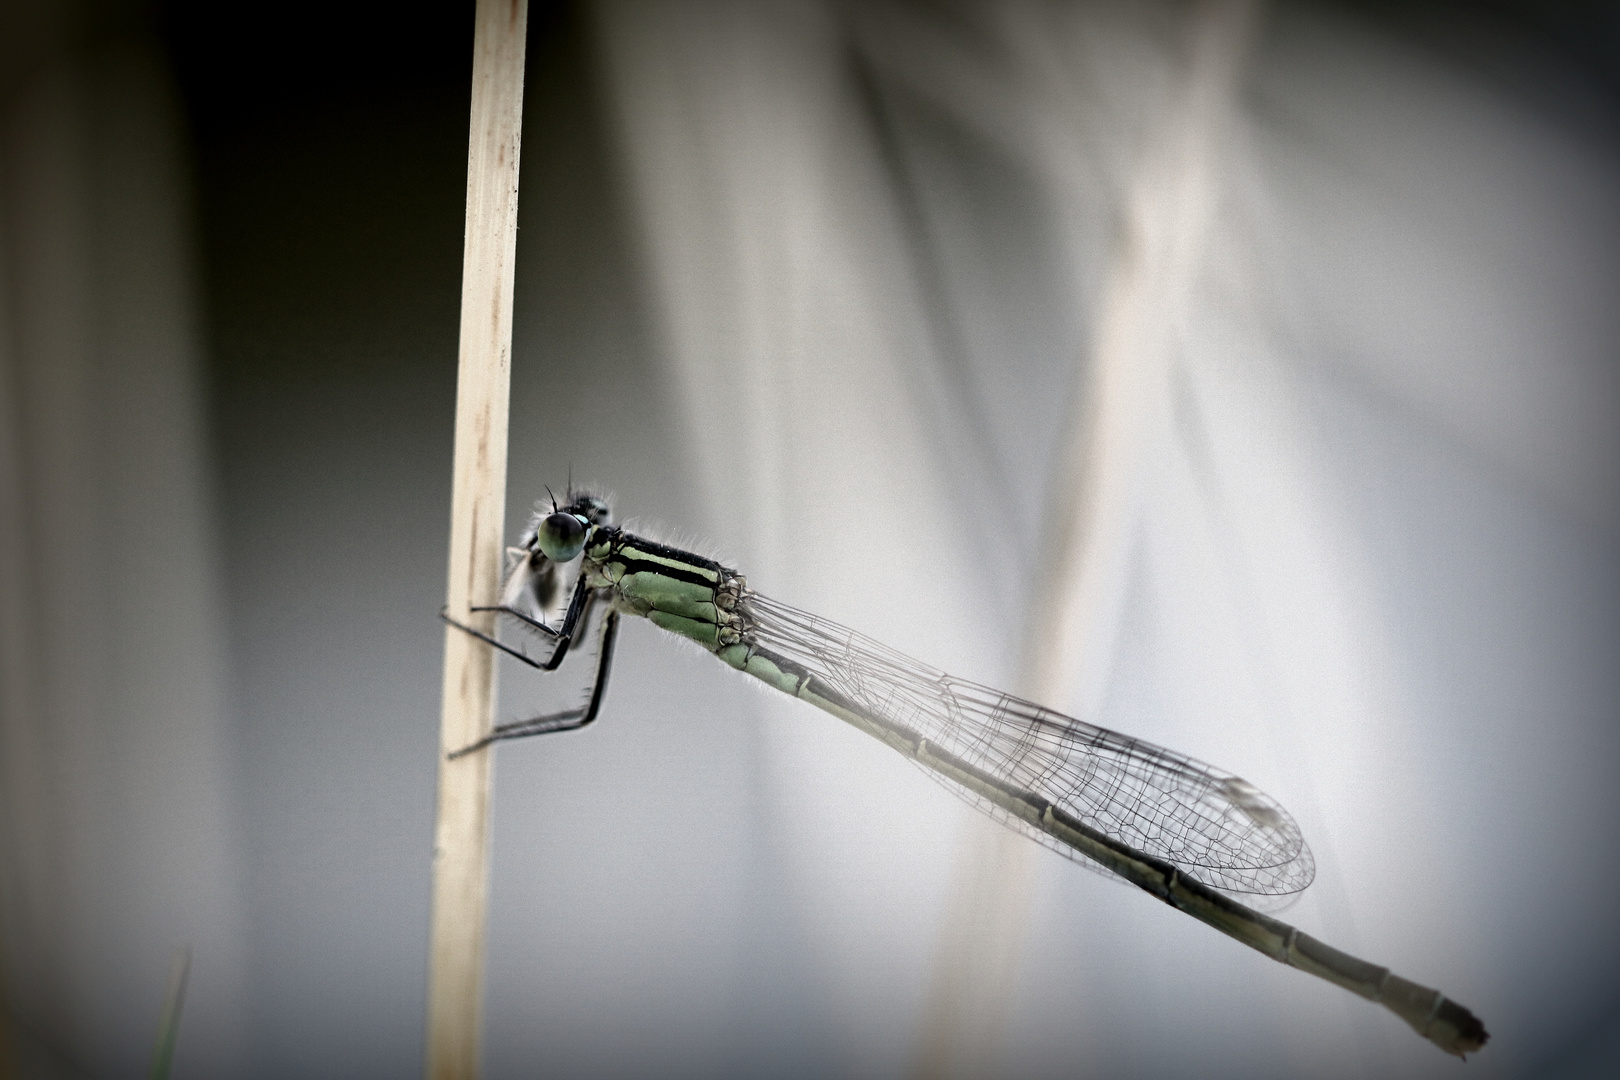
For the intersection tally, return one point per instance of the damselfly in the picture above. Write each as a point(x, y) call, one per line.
point(1189, 834)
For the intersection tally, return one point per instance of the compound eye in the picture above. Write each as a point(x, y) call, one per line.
point(562, 537)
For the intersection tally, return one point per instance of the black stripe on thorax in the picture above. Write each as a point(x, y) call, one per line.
point(618, 541)
point(664, 551)
point(645, 566)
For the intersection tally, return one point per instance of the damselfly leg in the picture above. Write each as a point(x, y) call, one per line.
point(577, 608)
point(577, 616)
point(568, 719)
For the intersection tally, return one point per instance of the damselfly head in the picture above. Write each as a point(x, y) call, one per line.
point(592, 508)
point(560, 534)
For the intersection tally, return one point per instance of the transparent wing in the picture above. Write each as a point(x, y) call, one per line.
point(1218, 827)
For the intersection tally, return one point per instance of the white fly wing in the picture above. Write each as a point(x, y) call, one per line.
point(1217, 827)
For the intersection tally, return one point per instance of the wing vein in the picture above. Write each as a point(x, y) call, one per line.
point(1216, 826)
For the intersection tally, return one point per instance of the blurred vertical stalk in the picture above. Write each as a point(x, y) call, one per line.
point(169, 1023)
point(477, 519)
point(116, 808)
point(1083, 572)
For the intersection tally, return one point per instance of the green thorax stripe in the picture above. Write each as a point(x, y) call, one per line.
point(622, 554)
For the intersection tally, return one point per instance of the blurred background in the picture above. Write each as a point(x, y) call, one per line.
point(1243, 376)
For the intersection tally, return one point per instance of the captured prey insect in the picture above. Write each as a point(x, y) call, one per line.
point(1181, 830)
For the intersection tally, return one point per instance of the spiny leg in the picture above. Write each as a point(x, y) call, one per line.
point(572, 719)
point(563, 637)
point(521, 616)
